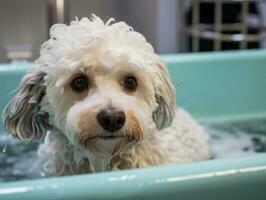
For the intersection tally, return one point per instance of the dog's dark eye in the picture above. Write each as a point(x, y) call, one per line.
point(80, 83)
point(130, 83)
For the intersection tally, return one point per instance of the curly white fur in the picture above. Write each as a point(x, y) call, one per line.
point(156, 132)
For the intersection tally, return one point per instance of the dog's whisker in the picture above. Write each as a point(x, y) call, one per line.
point(115, 149)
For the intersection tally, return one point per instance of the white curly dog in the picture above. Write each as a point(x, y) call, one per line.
point(101, 100)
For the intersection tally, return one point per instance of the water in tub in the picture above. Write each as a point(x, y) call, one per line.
point(19, 160)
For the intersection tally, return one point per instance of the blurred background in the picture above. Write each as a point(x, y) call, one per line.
point(171, 26)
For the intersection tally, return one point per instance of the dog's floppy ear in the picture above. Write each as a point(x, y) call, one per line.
point(22, 116)
point(165, 97)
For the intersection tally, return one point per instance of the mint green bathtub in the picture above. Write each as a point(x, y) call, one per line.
point(213, 87)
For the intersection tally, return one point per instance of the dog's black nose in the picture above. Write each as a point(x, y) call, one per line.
point(111, 119)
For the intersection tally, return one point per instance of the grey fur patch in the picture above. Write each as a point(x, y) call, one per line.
point(22, 116)
point(165, 98)
point(163, 115)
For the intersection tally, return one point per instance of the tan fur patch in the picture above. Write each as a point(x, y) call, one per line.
point(88, 126)
point(134, 131)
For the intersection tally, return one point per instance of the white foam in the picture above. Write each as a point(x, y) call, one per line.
point(79, 154)
point(225, 144)
point(91, 158)
point(4, 148)
point(96, 164)
point(101, 164)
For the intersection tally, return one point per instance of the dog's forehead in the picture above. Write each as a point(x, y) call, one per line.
point(106, 62)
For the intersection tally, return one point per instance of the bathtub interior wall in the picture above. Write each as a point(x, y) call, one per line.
point(214, 87)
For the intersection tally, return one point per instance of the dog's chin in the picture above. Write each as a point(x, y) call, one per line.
point(106, 147)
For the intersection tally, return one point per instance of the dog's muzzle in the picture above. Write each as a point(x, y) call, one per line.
point(109, 131)
point(111, 119)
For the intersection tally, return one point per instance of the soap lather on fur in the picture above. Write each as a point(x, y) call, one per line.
point(101, 99)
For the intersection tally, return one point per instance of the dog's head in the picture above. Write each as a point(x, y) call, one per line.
point(100, 83)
